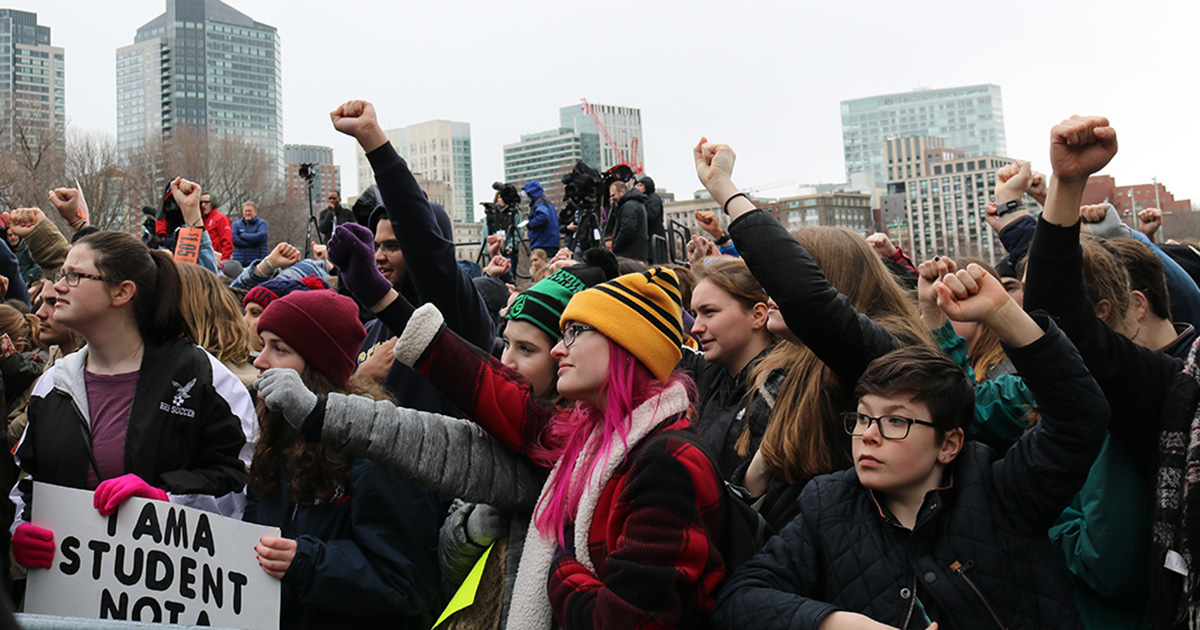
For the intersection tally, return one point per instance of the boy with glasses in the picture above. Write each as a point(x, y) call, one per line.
point(928, 529)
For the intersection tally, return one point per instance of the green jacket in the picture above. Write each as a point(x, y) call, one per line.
point(1001, 403)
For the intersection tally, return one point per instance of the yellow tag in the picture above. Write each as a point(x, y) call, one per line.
point(465, 596)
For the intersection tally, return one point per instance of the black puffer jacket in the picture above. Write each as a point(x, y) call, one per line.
point(627, 226)
point(978, 556)
point(725, 410)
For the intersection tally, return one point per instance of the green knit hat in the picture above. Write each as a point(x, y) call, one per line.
point(542, 304)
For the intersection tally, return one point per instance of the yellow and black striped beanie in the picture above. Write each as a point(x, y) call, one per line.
point(641, 312)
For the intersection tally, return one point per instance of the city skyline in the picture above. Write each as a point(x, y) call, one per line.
point(785, 123)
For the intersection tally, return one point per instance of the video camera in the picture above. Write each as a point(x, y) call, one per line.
point(583, 188)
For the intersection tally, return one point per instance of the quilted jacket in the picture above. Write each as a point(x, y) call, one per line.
point(978, 556)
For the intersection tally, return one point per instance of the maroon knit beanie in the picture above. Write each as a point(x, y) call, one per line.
point(322, 326)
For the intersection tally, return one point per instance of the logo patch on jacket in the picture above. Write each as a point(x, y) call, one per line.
point(183, 393)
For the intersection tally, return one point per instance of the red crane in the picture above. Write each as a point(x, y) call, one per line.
point(632, 162)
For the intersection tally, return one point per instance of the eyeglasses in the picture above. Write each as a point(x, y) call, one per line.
point(890, 427)
point(73, 277)
point(572, 332)
point(388, 246)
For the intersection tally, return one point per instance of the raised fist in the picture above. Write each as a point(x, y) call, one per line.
point(707, 219)
point(970, 295)
point(283, 256)
point(882, 244)
point(22, 220)
point(1093, 213)
point(1149, 220)
point(66, 202)
point(187, 195)
point(714, 162)
point(1080, 146)
point(357, 118)
point(928, 273)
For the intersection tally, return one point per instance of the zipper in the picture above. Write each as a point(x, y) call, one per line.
point(912, 602)
point(961, 570)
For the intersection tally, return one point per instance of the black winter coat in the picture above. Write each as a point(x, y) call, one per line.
point(725, 410)
point(978, 556)
point(627, 227)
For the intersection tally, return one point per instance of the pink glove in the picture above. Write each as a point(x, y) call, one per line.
point(111, 493)
point(33, 546)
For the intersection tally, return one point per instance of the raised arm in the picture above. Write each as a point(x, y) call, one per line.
point(815, 312)
point(1134, 379)
point(429, 253)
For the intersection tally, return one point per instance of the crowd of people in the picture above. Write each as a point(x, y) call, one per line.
point(797, 429)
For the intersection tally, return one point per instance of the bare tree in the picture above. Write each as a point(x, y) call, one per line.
point(93, 160)
point(31, 161)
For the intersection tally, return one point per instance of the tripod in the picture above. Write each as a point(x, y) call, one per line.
point(308, 172)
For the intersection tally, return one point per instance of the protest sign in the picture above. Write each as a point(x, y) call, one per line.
point(151, 561)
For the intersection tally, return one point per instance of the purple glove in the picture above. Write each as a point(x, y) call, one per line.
point(352, 249)
point(33, 546)
point(111, 493)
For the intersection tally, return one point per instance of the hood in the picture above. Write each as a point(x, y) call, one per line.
point(533, 188)
point(648, 183)
point(634, 195)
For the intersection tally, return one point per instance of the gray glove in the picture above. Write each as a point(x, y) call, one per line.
point(283, 391)
point(486, 524)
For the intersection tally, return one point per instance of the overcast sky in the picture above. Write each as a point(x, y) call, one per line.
point(765, 77)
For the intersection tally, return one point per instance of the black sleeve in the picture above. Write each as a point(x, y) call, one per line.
point(822, 318)
point(428, 252)
point(1134, 379)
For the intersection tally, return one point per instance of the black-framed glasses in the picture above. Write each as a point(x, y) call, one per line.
point(572, 332)
point(73, 277)
point(890, 427)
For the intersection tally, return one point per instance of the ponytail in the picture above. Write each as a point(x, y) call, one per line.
point(157, 300)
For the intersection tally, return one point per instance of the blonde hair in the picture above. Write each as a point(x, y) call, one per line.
point(804, 436)
point(215, 314)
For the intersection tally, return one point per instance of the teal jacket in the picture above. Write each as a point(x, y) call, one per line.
point(1001, 403)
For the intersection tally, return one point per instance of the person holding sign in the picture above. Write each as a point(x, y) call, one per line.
point(358, 549)
point(141, 410)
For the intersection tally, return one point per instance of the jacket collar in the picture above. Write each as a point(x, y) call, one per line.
point(934, 502)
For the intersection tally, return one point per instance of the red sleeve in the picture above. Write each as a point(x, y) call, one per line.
point(221, 233)
point(492, 395)
point(662, 566)
point(902, 258)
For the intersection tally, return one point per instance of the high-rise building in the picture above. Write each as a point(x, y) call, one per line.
point(623, 124)
point(937, 198)
point(969, 118)
point(438, 151)
point(32, 91)
point(547, 156)
point(205, 66)
point(327, 176)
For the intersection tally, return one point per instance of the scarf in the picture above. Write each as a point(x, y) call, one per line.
point(1176, 525)
point(530, 600)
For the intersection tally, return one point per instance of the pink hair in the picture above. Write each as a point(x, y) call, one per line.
point(629, 384)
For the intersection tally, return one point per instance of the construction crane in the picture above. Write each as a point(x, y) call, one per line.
point(632, 162)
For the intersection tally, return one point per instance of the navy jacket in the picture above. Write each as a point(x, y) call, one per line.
point(367, 559)
point(978, 556)
point(427, 239)
point(543, 219)
point(250, 240)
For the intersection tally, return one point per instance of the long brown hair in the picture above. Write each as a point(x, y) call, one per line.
point(804, 436)
point(21, 327)
point(318, 472)
point(732, 276)
point(215, 314)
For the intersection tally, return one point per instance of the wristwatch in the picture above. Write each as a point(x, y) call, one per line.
point(1007, 207)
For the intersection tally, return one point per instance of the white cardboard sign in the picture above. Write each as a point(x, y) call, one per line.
point(151, 561)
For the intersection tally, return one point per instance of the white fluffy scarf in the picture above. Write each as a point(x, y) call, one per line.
point(530, 601)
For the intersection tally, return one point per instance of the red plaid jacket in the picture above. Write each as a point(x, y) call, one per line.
point(653, 535)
